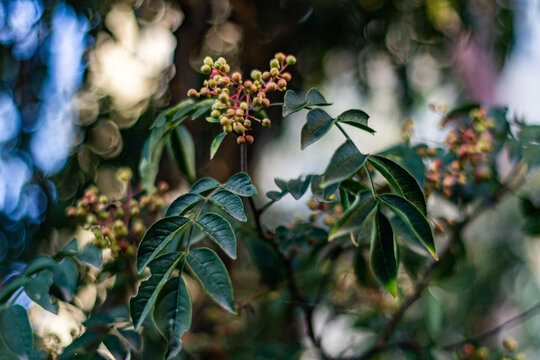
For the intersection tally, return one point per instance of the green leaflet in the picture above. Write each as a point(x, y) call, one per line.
point(181, 149)
point(292, 103)
point(318, 124)
point(315, 98)
point(354, 218)
point(345, 162)
point(216, 143)
point(141, 304)
point(202, 108)
point(220, 231)
point(240, 184)
point(172, 313)
point(203, 185)
point(413, 218)
point(401, 180)
point(65, 278)
point(183, 203)
point(356, 118)
point(382, 257)
point(211, 272)
point(230, 203)
point(157, 237)
point(15, 332)
point(38, 291)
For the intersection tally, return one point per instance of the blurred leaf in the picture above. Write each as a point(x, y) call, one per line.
point(434, 315)
point(141, 304)
point(464, 109)
point(292, 103)
point(220, 231)
point(413, 218)
point(240, 184)
point(40, 263)
point(16, 332)
point(11, 286)
point(157, 237)
point(216, 143)
point(345, 162)
point(211, 272)
point(183, 203)
point(353, 186)
point(400, 179)
point(115, 346)
point(182, 109)
point(275, 195)
point(320, 193)
point(230, 203)
point(38, 291)
point(314, 97)
point(353, 219)
point(173, 313)
point(318, 124)
point(298, 187)
point(181, 149)
point(267, 262)
point(382, 255)
point(202, 108)
point(83, 347)
point(361, 270)
point(91, 255)
point(356, 118)
point(204, 184)
point(65, 278)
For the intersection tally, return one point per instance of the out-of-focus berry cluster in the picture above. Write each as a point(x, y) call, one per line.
point(237, 99)
point(509, 352)
point(118, 223)
point(330, 212)
point(470, 142)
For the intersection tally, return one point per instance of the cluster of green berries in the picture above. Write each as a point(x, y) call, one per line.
point(509, 352)
point(471, 144)
point(238, 99)
point(117, 224)
point(329, 212)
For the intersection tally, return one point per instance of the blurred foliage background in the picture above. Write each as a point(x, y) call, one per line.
point(81, 82)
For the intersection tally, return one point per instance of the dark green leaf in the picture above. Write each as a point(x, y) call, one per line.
point(202, 108)
point(211, 272)
point(356, 118)
point(230, 203)
point(181, 149)
point(173, 313)
point(116, 347)
point(275, 195)
point(216, 143)
point(401, 180)
point(160, 120)
point(149, 164)
point(352, 186)
point(220, 231)
point(354, 218)
point(183, 109)
point(11, 286)
point(16, 332)
point(317, 125)
point(65, 278)
point(38, 291)
point(240, 184)
point(92, 255)
point(84, 347)
point(298, 187)
point(40, 263)
point(161, 268)
point(281, 184)
point(203, 185)
point(322, 194)
point(345, 162)
point(382, 257)
point(183, 203)
point(413, 218)
point(314, 97)
point(157, 237)
point(292, 103)
point(267, 262)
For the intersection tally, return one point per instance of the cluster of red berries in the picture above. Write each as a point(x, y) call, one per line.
point(117, 224)
point(471, 143)
point(237, 99)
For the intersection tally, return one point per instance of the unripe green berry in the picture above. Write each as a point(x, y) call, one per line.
point(216, 105)
point(247, 124)
point(206, 69)
point(208, 61)
point(238, 128)
point(257, 101)
point(282, 84)
point(227, 128)
point(266, 122)
point(236, 76)
point(239, 112)
point(226, 68)
point(271, 86)
point(241, 140)
point(243, 105)
point(192, 93)
point(212, 83)
point(274, 64)
point(215, 113)
point(265, 102)
point(224, 97)
point(223, 120)
point(256, 75)
point(249, 139)
point(274, 72)
point(204, 92)
point(230, 112)
point(286, 76)
point(224, 81)
point(280, 57)
point(291, 60)
point(266, 75)
point(103, 199)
